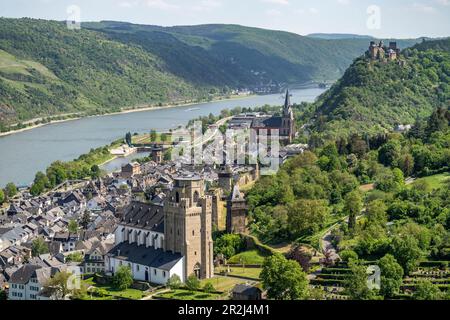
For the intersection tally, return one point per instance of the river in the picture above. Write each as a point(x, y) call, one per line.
point(25, 153)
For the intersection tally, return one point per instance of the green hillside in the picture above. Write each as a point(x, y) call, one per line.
point(47, 69)
point(240, 56)
point(374, 96)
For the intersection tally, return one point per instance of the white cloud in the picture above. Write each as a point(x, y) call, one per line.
point(207, 5)
point(420, 7)
point(343, 2)
point(282, 2)
point(162, 5)
point(444, 2)
point(273, 13)
point(313, 10)
point(128, 4)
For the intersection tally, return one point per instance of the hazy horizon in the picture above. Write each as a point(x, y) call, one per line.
point(379, 19)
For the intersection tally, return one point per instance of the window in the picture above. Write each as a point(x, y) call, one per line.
point(164, 274)
point(154, 271)
point(193, 232)
point(137, 267)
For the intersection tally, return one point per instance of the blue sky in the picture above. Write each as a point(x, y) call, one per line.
point(382, 18)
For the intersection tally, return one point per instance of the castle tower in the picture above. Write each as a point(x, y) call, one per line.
point(288, 121)
point(236, 212)
point(187, 226)
point(226, 179)
point(157, 154)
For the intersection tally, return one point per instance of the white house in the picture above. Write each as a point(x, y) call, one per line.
point(139, 243)
point(27, 282)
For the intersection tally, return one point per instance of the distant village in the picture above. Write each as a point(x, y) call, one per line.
point(157, 218)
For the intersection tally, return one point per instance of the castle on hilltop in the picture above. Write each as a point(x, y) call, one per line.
point(382, 53)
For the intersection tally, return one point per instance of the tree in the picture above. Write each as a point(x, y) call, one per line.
point(128, 138)
point(208, 287)
point(306, 217)
point(391, 275)
point(73, 226)
point(75, 257)
point(2, 196)
point(95, 171)
point(40, 183)
point(406, 163)
point(85, 220)
point(174, 282)
point(10, 190)
point(38, 247)
point(164, 137)
point(406, 251)
point(376, 213)
point(228, 245)
point(348, 255)
point(192, 283)
point(60, 285)
point(353, 206)
point(123, 278)
point(153, 136)
point(284, 279)
point(356, 283)
point(426, 290)
point(389, 153)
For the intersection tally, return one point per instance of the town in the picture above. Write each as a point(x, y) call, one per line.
point(156, 218)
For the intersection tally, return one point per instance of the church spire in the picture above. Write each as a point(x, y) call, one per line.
point(287, 102)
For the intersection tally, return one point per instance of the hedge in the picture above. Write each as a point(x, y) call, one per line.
point(328, 282)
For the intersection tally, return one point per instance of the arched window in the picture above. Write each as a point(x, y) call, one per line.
point(196, 196)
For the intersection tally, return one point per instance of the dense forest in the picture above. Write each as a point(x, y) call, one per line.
point(375, 96)
point(240, 56)
point(47, 69)
point(378, 197)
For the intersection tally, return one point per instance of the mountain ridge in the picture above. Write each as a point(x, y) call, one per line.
point(106, 66)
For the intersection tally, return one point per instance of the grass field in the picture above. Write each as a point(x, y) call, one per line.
point(252, 273)
point(247, 257)
point(224, 284)
point(146, 139)
point(112, 293)
point(182, 294)
point(437, 181)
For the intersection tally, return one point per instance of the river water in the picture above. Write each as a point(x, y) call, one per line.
point(25, 153)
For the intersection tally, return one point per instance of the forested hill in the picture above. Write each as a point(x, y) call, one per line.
point(241, 56)
point(47, 69)
point(375, 96)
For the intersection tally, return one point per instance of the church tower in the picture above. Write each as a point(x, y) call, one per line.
point(236, 212)
point(288, 121)
point(187, 226)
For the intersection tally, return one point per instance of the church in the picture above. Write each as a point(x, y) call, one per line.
point(284, 123)
point(159, 241)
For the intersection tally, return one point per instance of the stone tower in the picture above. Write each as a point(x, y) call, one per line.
point(187, 225)
point(288, 121)
point(236, 212)
point(226, 179)
point(157, 154)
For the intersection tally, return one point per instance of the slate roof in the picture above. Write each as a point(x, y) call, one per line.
point(144, 216)
point(28, 271)
point(151, 257)
point(246, 289)
point(267, 122)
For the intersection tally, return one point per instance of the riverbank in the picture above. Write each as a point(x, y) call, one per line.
point(139, 108)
